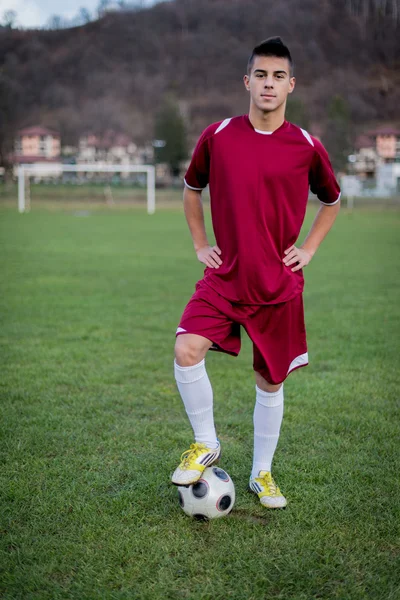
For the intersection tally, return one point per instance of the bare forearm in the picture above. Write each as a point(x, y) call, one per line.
point(195, 217)
point(194, 214)
point(298, 257)
point(323, 221)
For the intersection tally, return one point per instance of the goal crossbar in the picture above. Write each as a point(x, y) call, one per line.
point(56, 169)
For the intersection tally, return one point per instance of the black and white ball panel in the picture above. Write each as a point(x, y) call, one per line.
point(221, 474)
point(200, 489)
point(224, 503)
point(212, 496)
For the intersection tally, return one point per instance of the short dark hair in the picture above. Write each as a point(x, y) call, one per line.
point(273, 46)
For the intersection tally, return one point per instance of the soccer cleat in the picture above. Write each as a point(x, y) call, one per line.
point(267, 490)
point(193, 462)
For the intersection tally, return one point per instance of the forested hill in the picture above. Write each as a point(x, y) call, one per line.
point(117, 71)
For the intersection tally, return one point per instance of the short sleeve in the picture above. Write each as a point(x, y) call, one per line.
point(197, 175)
point(322, 179)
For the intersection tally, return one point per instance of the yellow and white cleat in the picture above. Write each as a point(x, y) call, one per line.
point(193, 462)
point(267, 490)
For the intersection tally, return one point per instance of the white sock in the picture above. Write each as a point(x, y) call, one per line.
point(197, 395)
point(267, 419)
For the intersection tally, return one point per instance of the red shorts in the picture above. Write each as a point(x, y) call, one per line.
point(277, 330)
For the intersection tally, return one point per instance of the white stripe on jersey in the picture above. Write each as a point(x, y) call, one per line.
point(307, 136)
point(223, 124)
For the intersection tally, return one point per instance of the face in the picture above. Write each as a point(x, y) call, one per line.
point(269, 83)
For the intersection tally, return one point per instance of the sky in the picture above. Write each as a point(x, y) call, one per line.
point(36, 13)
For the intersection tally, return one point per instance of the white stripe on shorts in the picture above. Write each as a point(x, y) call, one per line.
point(299, 361)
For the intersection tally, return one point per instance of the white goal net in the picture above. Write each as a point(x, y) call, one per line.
point(56, 172)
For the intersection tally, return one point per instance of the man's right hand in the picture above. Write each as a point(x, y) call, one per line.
point(210, 256)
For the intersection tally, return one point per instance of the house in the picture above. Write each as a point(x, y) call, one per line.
point(365, 158)
point(36, 145)
point(374, 149)
point(387, 143)
point(39, 146)
point(388, 179)
point(112, 148)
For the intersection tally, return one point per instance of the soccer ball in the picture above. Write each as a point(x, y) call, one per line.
point(211, 497)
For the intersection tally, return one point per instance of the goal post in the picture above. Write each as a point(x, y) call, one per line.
point(54, 169)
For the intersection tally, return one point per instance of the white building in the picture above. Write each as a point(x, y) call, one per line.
point(112, 148)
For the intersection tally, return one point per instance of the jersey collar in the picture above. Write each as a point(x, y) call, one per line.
point(259, 131)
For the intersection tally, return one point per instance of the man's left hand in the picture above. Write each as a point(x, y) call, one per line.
point(295, 255)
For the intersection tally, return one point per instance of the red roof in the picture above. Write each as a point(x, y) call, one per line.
point(364, 141)
point(38, 130)
point(110, 139)
point(384, 130)
point(17, 159)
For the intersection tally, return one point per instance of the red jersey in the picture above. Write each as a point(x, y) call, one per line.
point(259, 184)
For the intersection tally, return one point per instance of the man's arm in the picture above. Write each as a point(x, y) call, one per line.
point(194, 214)
point(323, 221)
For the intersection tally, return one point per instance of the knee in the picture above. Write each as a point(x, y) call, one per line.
point(265, 386)
point(190, 351)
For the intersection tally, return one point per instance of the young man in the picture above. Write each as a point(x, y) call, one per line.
point(259, 168)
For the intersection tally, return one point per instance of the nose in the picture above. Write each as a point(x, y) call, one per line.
point(268, 82)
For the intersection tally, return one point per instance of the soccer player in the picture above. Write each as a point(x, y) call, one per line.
point(259, 168)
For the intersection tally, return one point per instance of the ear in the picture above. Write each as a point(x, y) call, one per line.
point(246, 82)
point(292, 83)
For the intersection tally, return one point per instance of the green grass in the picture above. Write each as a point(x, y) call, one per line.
point(92, 424)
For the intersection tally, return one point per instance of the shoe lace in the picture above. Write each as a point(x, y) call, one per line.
point(194, 451)
point(270, 483)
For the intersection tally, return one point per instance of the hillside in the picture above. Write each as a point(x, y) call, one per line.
point(116, 72)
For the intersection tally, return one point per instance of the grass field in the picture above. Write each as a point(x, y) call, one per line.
point(92, 425)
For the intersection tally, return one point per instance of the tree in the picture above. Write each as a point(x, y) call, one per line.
point(84, 16)
point(170, 128)
point(11, 93)
point(338, 136)
point(56, 22)
point(102, 7)
point(133, 5)
point(296, 112)
point(9, 18)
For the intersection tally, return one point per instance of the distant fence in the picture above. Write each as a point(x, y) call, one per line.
point(386, 184)
point(53, 194)
point(354, 202)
